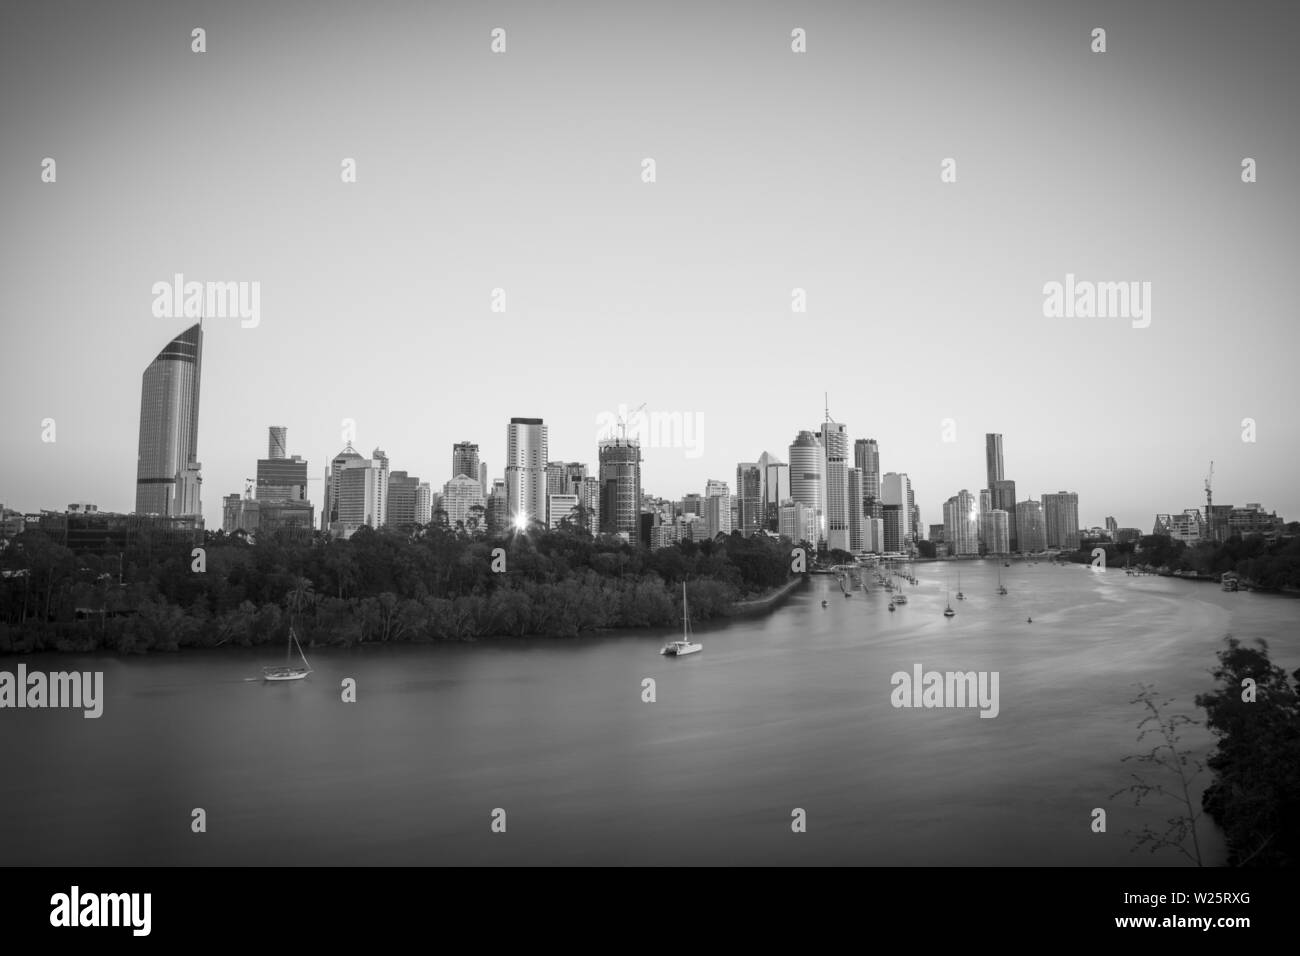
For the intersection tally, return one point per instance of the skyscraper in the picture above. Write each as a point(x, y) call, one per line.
point(1004, 498)
point(281, 478)
point(751, 516)
point(465, 461)
point(169, 421)
point(866, 458)
point(588, 493)
point(526, 454)
point(277, 442)
point(356, 492)
point(717, 507)
point(993, 459)
point(985, 509)
point(896, 490)
point(857, 513)
point(776, 487)
point(402, 492)
point(423, 503)
point(1032, 528)
point(498, 507)
point(281, 489)
point(460, 497)
point(961, 524)
point(997, 536)
point(808, 477)
point(1061, 518)
point(620, 487)
point(188, 482)
point(835, 444)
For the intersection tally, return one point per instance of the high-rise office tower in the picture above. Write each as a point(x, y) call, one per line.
point(1004, 498)
point(465, 461)
point(482, 477)
point(751, 515)
point(1061, 517)
point(808, 477)
point(717, 507)
point(187, 500)
point(563, 477)
point(402, 490)
point(866, 458)
point(526, 454)
point(1032, 527)
point(961, 524)
point(498, 507)
point(857, 513)
point(554, 478)
point(913, 514)
point(460, 497)
point(169, 421)
point(998, 540)
point(835, 444)
point(993, 459)
point(281, 479)
point(589, 503)
point(277, 444)
point(620, 487)
point(797, 521)
point(986, 506)
point(356, 492)
point(895, 525)
point(1112, 526)
point(423, 503)
point(896, 490)
point(776, 487)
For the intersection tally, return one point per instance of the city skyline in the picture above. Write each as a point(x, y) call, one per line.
point(531, 435)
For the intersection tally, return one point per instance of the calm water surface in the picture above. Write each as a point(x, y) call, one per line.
point(789, 710)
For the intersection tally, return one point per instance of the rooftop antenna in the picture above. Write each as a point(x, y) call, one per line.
point(827, 397)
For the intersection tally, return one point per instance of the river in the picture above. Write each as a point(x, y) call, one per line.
point(784, 711)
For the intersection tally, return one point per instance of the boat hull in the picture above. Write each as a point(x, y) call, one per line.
point(285, 673)
point(681, 650)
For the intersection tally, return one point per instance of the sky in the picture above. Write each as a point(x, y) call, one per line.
point(774, 171)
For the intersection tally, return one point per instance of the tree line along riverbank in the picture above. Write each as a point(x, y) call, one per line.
point(426, 584)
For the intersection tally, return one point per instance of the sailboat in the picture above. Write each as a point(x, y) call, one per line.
point(1001, 589)
point(948, 611)
point(289, 670)
point(960, 596)
point(685, 645)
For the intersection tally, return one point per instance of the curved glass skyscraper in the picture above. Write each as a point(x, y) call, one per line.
point(169, 421)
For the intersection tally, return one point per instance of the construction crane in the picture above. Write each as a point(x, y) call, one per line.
point(622, 420)
point(1209, 503)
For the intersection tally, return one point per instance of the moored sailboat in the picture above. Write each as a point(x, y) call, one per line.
point(686, 645)
point(289, 670)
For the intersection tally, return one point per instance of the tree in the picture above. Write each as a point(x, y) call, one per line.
point(1255, 796)
point(1166, 758)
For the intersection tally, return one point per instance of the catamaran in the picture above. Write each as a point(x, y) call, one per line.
point(685, 645)
point(289, 670)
